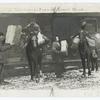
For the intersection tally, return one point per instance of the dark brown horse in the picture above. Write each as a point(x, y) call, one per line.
point(85, 52)
point(88, 54)
point(34, 52)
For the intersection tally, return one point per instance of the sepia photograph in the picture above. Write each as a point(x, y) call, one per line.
point(49, 50)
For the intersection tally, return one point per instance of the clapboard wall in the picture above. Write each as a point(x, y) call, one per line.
point(63, 25)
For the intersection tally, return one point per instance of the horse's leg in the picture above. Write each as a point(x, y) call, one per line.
point(82, 56)
point(40, 65)
point(96, 63)
point(84, 66)
point(93, 64)
point(33, 67)
point(35, 73)
point(1, 72)
point(37, 70)
point(89, 64)
point(40, 74)
point(30, 63)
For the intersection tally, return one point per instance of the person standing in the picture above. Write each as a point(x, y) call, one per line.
point(57, 57)
point(3, 46)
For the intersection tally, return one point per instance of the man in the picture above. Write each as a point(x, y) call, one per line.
point(3, 46)
point(57, 57)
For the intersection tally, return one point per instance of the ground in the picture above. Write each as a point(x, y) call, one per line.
point(72, 80)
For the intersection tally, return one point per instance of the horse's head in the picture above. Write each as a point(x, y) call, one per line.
point(34, 29)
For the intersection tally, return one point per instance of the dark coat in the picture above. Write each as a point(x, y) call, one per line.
point(3, 48)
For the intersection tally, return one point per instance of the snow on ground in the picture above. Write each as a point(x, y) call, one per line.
point(71, 81)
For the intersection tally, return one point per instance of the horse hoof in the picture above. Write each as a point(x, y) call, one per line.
point(32, 79)
point(37, 80)
point(92, 69)
point(97, 70)
point(41, 80)
point(84, 75)
point(89, 73)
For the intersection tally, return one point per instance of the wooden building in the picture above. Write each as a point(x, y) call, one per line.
point(62, 24)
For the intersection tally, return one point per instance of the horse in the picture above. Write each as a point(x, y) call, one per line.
point(94, 52)
point(84, 52)
point(34, 54)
